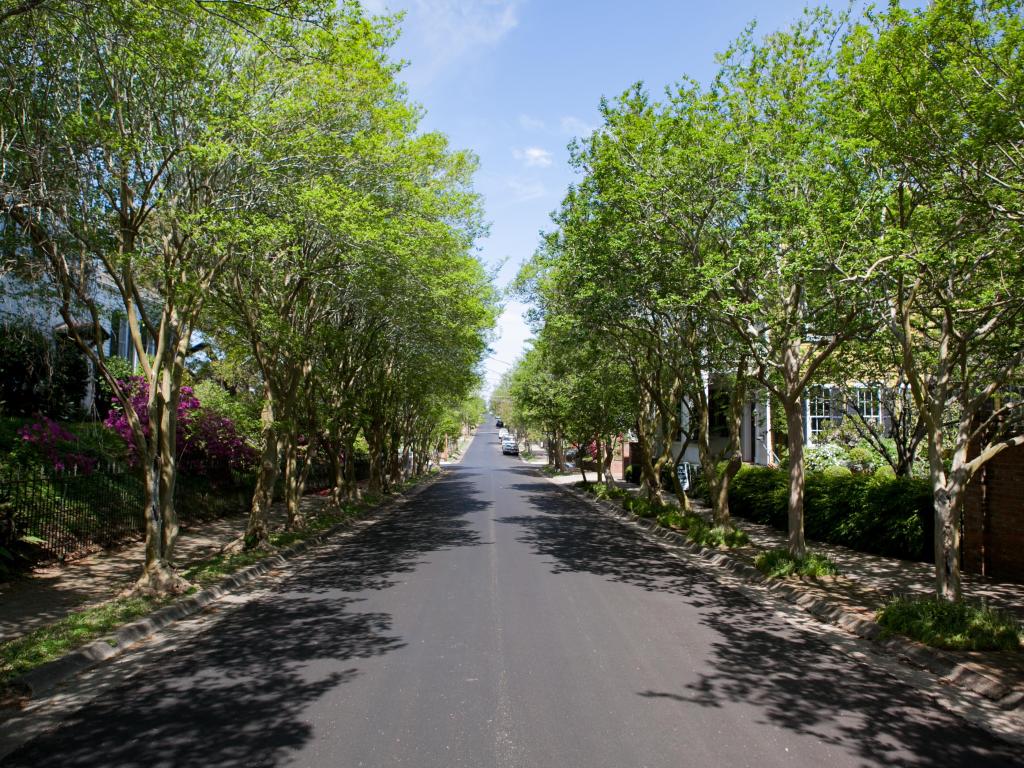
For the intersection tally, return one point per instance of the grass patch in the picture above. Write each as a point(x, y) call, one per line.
point(640, 507)
point(605, 492)
point(778, 564)
point(47, 643)
point(954, 626)
point(698, 531)
point(676, 519)
point(717, 536)
point(217, 567)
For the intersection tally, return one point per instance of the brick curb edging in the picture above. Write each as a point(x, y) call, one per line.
point(934, 660)
point(46, 677)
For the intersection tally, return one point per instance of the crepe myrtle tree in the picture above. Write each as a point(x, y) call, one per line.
point(604, 269)
point(935, 93)
point(117, 148)
point(788, 281)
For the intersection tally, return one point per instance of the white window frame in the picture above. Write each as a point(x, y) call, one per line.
point(870, 410)
point(820, 411)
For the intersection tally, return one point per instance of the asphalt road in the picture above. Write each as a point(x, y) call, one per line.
point(496, 622)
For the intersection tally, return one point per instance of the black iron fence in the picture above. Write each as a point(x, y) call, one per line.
point(70, 512)
point(67, 513)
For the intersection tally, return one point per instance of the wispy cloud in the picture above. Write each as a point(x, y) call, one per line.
point(530, 123)
point(533, 157)
point(525, 189)
point(375, 7)
point(573, 126)
point(450, 28)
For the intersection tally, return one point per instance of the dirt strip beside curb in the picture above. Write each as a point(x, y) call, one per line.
point(939, 662)
point(43, 679)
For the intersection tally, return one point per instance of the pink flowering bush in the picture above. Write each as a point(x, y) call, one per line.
point(54, 443)
point(208, 444)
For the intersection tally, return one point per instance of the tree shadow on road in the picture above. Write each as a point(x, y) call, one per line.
point(575, 538)
point(780, 675)
point(236, 692)
point(434, 521)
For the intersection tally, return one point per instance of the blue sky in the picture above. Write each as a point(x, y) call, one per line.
point(515, 80)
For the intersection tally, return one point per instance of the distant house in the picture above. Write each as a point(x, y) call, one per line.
point(825, 408)
point(755, 429)
point(31, 297)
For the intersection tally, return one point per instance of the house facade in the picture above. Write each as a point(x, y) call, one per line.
point(33, 299)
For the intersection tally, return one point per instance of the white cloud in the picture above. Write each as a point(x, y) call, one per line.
point(525, 189)
point(573, 126)
point(452, 27)
point(513, 335)
point(530, 123)
point(375, 7)
point(533, 157)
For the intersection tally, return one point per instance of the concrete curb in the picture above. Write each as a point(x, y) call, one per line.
point(941, 663)
point(43, 679)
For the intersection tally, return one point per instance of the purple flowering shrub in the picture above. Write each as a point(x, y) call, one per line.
point(208, 444)
point(50, 441)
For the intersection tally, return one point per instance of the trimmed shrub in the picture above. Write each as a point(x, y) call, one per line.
point(759, 494)
point(880, 514)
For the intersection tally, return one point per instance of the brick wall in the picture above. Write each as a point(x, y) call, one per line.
point(994, 518)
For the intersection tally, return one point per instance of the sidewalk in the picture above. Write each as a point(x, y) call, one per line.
point(866, 583)
point(48, 594)
point(460, 451)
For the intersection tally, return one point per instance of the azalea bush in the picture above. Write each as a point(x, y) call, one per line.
point(54, 445)
point(208, 444)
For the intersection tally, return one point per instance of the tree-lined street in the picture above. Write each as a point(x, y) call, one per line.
point(493, 621)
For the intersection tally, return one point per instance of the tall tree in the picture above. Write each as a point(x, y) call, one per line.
point(117, 123)
point(787, 282)
point(936, 95)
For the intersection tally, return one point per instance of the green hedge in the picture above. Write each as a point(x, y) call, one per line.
point(878, 514)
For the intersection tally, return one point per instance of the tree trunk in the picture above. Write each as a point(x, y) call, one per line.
point(351, 484)
point(682, 496)
point(291, 479)
point(947, 491)
point(159, 474)
point(609, 456)
point(373, 439)
point(557, 452)
point(795, 439)
point(296, 476)
point(257, 534)
point(333, 444)
point(156, 572)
